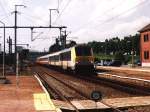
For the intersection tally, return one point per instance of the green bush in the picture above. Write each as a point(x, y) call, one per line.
point(119, 56)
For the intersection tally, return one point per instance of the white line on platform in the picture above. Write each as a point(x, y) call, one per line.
point(125, 77)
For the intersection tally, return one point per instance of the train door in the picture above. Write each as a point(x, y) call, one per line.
point(61, 60)
point(73, 59)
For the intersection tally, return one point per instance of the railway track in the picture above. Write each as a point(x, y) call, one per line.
point(54, 92)
point(79, 93)
point(136, 83)
point(123, 86)
point(118, 85)
point(58, 94)
point(46, 78)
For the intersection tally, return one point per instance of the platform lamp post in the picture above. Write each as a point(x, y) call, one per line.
point(4, 49)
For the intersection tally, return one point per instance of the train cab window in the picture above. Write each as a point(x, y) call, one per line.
point(83, 51)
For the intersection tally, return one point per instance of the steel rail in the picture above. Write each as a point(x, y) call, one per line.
point(49, 89)
point(59, 93)
point(115, 84)
point(71, 87)
point(87, 97)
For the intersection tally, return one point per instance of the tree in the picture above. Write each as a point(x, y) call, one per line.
point(115, 44)
point(119, 56)
point(55, 47)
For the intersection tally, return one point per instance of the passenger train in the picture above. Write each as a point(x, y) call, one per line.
point(77, 58)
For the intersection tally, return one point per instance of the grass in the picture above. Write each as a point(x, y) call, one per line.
point(103, 57)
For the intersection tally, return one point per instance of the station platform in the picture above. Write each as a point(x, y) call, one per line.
point(27, 96)
point(30, 96)
point(125, 69)
point(141, 69)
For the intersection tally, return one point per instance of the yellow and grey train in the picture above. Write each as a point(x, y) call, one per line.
point(77, 58)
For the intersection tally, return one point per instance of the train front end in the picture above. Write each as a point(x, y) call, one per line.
point(84, 59)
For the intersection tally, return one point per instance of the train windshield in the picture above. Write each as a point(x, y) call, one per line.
point(83, 51)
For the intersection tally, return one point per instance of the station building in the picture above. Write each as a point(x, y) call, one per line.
point(145, 46)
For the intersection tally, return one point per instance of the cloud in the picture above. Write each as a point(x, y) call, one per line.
point(86, 19)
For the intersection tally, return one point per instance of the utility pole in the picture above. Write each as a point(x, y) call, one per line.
point(16, 32)
point(4, 50)
point(132, 51)
point(50, 20)
point(27, 27)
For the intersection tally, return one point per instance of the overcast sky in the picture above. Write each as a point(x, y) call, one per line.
point(87, 20)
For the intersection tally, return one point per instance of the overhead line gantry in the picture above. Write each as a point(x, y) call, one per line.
point(15, 27)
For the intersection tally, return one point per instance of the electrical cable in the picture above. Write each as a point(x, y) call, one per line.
point(4, 10)
point(62, 11)
point(104, 13)
point(110, 19)
point(6, 16)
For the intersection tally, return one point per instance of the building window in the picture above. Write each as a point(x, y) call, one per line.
point(146, 54)
point(145, 37)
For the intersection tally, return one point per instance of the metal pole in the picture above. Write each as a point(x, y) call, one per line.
point(60, 36)
point(50, 19)
point(50, 24)
point(132, 51)
point(4, 55)
point(16, 33)
point(3, 51)
point(17, 70)
point(15, 37)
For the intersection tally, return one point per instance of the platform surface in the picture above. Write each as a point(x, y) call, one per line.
point(28, 96)
point(137, 69)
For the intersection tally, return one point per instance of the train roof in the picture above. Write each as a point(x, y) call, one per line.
point(58, 52)
point(55, 53)
point(48, 55)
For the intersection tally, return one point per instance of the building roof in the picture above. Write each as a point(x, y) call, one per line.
point(146, 28)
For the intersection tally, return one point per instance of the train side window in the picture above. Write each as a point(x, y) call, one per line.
point(64, 56)
point(57, 57)
point(52, 58)
point(69, 55)
point(61, 57)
